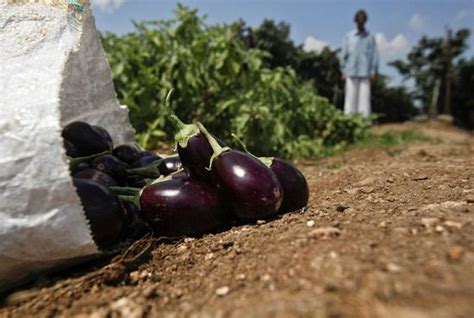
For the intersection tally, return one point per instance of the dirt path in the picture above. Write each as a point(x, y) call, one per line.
point(388, 233)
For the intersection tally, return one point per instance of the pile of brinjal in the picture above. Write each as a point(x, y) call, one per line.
point(127, 191)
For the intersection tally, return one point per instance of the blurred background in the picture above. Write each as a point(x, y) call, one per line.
point(269, 70)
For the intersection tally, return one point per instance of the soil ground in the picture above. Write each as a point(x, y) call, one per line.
point(389, 232)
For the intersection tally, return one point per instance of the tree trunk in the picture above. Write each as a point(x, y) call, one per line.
point(433, 109)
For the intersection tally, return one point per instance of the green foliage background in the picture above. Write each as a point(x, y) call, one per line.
point(223, 83)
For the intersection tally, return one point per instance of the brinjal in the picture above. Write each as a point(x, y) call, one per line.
point(293, 183)
point(193, 148)
point(169, 165)
point(291, 179)
point(182, 206)
point(97, 176)
point(71, 150)
point(146, 153)
point(136, 227)
point(127, 153)
point(79, 167)
point(87, 139)
point(136, 181)
point(103, 211)
point(105, 134)
point(112, 166)
point(251, 188)
point(144, 161)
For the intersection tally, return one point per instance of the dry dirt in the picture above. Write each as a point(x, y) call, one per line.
point(389, 232)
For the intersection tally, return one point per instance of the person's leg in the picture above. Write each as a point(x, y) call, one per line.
point(364, 97)
point(351, 95)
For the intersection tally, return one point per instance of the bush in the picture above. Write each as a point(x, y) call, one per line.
point(221, 83)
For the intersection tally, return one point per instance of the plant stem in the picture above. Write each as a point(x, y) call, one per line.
point(151, 170)
point(134, 199)
point(216, 148)
point(175, 121)
point(240, 142)
point(125, 190)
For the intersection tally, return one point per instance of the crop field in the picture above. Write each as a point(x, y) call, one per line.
point(388, 232)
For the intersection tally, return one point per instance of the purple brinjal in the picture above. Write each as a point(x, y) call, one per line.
point(96, 175)
point(71, 150)
point(193, 148)
point(251, 188)
point(144, 161)
point(104, 134)
point(112, 166)
point(136, 226)
point(146, 153)
point(169, 165)
point(291, 179)
point(87, 139)
point(182, 206)
point(79, 167)
point(136, 181)
point(103, 211)
point(127, 153)
point(293, 183)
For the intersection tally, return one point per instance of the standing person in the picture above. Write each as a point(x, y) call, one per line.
point(359, 66)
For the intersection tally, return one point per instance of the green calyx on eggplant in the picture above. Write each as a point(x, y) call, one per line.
point(252, 189)
point(87, 139)
point(193, 148)
point(291, 179)
point(103, 212)
point(152, 170)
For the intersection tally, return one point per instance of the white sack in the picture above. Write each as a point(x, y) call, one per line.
point(53, 71)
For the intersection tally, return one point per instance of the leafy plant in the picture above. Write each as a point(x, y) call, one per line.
point(224, 84)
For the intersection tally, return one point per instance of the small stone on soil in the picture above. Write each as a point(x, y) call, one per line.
point(341, 207)
point(455, 252)
point(470, 198)
point(310, 223)
point(419, 177)
point(453, 224)
point(325, 232)
point(393, 268)
point(222, 291)
point(429, 222)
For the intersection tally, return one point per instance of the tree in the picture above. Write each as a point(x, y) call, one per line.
point(322, 69)
point(427, 65)
point(391, 103)
point(463, 93)
point(275, 39)
point(221, 82)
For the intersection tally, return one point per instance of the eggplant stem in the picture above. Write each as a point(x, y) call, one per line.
point(241, 143)
point(125, 190)
point(216, 148)
point(175, 121)
point(267, 161)
point(77, 160)
point(134, 199)
point(151, 170)
point(183, 131)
